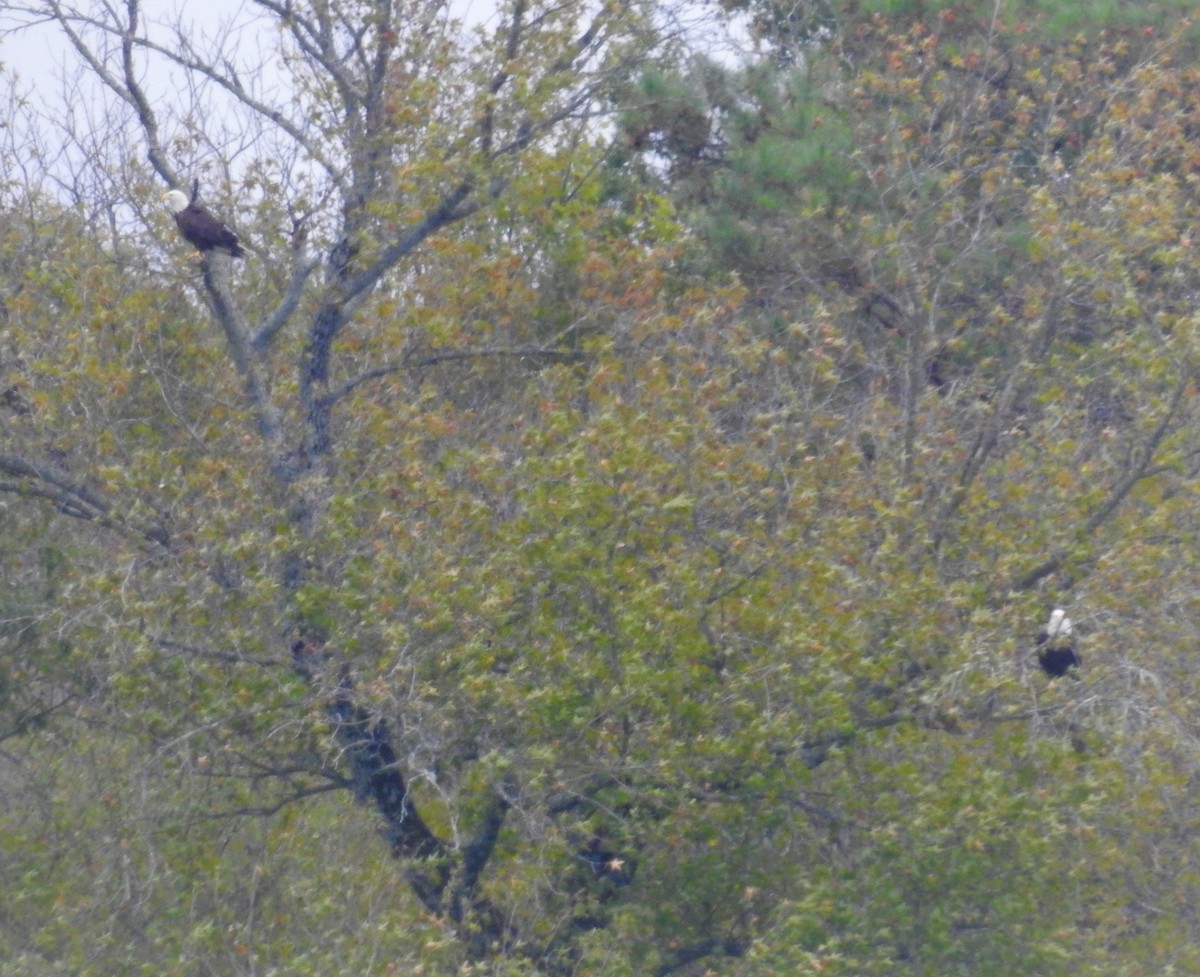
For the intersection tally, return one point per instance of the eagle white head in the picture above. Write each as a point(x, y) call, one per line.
point(199, 228)
point(1059, 626)
point(176, 200)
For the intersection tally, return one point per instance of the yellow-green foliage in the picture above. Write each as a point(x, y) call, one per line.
point(744, 599)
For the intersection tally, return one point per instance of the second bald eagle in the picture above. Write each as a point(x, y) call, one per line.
point(1056, 646)
point(199, 228)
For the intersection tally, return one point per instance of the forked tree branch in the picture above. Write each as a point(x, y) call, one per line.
point(1143, 469)
point(40, 480)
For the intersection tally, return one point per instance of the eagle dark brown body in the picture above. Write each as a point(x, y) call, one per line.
point(199, 228)
point(1056, 646)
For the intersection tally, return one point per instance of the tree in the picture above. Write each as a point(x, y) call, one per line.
point(368, 186)
point(986, 385)
point(659, 631)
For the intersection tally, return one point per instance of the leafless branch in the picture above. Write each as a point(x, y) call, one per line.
point(683, 956)
point(226, 77)
point(232, 324)
point(452, 356)
point(302, 268)
point(70, 496)
point(141, 105)
point(268, 810)
point(211, 654)
point(1143, 469)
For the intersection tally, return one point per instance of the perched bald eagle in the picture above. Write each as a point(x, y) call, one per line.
point(199, 228)
point(1056, 646)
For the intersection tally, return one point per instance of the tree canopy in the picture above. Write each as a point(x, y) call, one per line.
point(602, 526)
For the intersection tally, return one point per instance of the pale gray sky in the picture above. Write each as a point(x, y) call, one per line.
point(56, 94)
point(39, 52)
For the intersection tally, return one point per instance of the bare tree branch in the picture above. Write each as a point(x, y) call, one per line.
point(228, 80)
point(334, 315)
point(1141, 470)
point(685, 955)
point(141, 105)
point(211, 654)
point(230, 319)
point(302, 269)
point(70, 496)
point(269, 810)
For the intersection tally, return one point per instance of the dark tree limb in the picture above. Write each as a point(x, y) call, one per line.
point(446, 883)
point(125, 86)
point(682, 957)
point(1140, 471)
point(366, 740)
point(26, 720)
point(415, 362)
point(302, 269)
point(269, 810)
point(71, 497)
point(336, 312)
point(479, 852)
point(229, 317)
point(137, 98)
point(213, 654)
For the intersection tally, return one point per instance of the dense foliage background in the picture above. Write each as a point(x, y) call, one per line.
point(602, 526)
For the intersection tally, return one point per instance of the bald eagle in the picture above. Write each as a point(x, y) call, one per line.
point(199, 228)
point(1056, 645)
